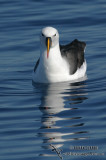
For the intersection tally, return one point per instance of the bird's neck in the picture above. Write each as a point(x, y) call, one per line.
point(54, 54)
point(53, 62)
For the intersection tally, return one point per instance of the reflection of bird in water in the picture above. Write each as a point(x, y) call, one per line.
point(59, 125)
point(59, 63)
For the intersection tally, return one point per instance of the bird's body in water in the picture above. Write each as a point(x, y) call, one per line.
point(59, 63)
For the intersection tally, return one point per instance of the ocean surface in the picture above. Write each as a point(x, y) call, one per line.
point(55, 121)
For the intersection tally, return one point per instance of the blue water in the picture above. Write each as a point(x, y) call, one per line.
point(35, 119)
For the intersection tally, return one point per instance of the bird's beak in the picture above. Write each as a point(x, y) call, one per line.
point(48, 44)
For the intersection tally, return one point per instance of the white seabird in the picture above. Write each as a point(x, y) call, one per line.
point(59, 63)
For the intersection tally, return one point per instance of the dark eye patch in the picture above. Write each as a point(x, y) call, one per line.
point(42, 34)
point(54, 35)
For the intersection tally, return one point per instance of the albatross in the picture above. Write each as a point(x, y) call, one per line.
point(59, 63)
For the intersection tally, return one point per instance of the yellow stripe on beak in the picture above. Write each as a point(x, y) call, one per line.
point(48, 47)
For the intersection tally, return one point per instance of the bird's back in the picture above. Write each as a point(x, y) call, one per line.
point(74, 54)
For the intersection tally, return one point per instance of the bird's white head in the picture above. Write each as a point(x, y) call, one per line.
point(49, 38)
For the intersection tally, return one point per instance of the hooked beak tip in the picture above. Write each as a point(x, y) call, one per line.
point(47, 54)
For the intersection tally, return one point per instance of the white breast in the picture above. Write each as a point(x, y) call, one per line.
point(53, 69)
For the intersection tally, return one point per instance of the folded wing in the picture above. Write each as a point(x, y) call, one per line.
point(74, 54)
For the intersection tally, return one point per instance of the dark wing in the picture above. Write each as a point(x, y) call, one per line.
point(74, 54)
point(36, 65)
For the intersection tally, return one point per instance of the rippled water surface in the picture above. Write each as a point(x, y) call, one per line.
point(47, 122)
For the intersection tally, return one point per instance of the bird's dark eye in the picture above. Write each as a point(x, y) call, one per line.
point(42, 34)
point(54, 35)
